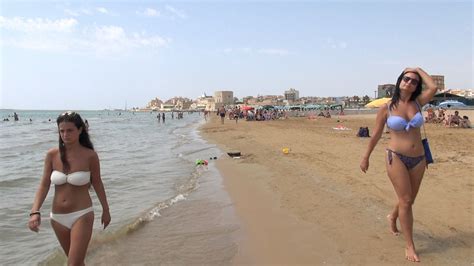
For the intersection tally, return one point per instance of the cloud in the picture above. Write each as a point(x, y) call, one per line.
point(176, 12)
point(37, 24)
point(149, 12)
point(335, 44)
point(114, 39)
point(229, 50)
point(280, 52)
point(88, 12)
point(102, 10)
point(248, 50)
point(72, 13)
point(63, 35)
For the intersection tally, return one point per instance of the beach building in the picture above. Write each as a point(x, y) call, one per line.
point(223, 98)
point(167, 107)
point(248, 100)
point(154, 104)
point(439, 81)
point(180, 103)
point(445, 96)
point(463, 93)
point(385, 90)
point(204, 103)
point(292, 95)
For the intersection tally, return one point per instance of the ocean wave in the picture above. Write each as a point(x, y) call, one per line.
point(17, 182)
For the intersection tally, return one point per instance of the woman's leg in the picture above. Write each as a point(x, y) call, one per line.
point(63, 235)
point(392, 220)
point(416, 175)
point(401, 181)
point(81, 233)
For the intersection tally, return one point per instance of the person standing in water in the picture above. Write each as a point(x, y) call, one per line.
point(72, 167)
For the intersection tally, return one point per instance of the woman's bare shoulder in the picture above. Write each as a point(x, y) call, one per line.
point(383, 109)
point(91, 154)
point(53, 152)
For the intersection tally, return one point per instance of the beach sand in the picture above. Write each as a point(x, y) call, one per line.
point(315, 206)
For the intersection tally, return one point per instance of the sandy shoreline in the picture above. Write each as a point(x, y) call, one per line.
point(315, 206)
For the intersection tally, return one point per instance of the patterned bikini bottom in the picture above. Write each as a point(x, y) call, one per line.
point(408, 161)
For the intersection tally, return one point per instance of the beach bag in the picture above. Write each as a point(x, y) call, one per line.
point(363, 132)
point(426, 145)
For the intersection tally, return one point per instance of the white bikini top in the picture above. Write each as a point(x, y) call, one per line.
point(78, 178)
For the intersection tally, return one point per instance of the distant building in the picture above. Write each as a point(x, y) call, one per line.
point(223, 98)
point(248, 100)
point(204, 103)
point(463, 93)
point(439, 81)
point(154, 104)
point(292, 95)
point(180, 103)
point(385, 90)
point(167, 107)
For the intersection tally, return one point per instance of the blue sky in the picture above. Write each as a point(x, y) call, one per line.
point(103, 54)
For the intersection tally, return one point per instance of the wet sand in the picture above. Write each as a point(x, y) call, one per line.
point(314, 205)
point(200, 230)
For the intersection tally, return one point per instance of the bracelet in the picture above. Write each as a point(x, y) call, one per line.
point(34, 213)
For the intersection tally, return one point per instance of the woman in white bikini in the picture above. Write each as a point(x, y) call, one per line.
point(405, 158)
point(72, 168)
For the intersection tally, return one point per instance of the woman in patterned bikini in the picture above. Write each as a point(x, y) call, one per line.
point(405, 160)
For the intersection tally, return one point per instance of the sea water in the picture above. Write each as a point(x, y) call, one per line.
point(152, 182)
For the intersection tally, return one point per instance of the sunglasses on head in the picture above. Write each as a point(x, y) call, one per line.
point(413, 81)
point(68, 113)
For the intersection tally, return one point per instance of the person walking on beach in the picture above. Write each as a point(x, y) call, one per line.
point(72, 168)
point(405, 159)
point(222, 113)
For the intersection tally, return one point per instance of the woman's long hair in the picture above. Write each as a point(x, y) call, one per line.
point(396, 94)
point(84, 139)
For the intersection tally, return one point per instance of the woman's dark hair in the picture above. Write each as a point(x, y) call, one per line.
point(396, 94)
point(84, 139)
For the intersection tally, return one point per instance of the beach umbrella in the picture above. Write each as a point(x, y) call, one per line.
point(378, 102)
point(268, 107)
point(246, 108)
point(451, 103)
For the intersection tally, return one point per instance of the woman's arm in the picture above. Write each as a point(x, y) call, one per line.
point(99, 189)
point(378, 130)
point(43, 189)
point(430, 87)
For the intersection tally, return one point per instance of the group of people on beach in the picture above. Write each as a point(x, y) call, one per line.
point(451, 120)
point(237, 113)
point(74, 166)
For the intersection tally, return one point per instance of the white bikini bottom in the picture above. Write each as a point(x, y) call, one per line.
point(68, 219)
